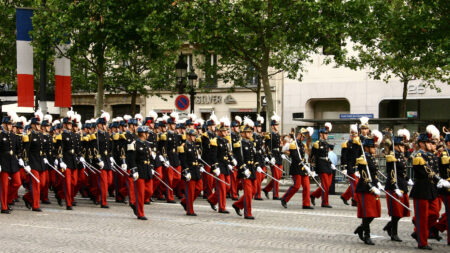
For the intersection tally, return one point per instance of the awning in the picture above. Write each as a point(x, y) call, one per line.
point(21, 110)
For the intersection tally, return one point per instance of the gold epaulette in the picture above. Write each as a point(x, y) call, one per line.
point(92, 137)
point(205, 134)
point(163, 137)
point(122, 136)
point(390, 158)
point(213, 142)
point(316, 145)
point(344, 145)
point(357, 141)
point(180, 149)
point(237, 144)
point(418, 159)
point(293, 145)
point(361, 160)
point(228, 138)
point(445, 159)
point(199, 139)
point(183, 137)
point(116, 136)
point(25, 138)
point(267, 136)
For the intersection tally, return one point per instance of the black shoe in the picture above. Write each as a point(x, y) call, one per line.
point(258, 199)
point(171, 201)
point(134, 209)
point(224, 211)
point(59, 200)
point(345, 201)
point(368, 241)
point(191, 214)
point(276, 198)
point(27, 203)
point(104, 206)
point(434, 234)
point(12, 203)
point(69, 208)
point(6, 211)
point(313, 200)
point(235, 199)
point(213, 207)
point(249, 217)
point(147, 203)
point(95, 202)
point(160, 198)
point(238, 211)
point(395, 238)
point(425, 247)
point(74, 203)
point(120, 200)
point(308, 207)
point(183, 205)
point(327, 206)
point(266, 193)
point(46, 202)
point(359, 231)
point(283, 203)
point(36, 210)
point(354, 203)
point(387, 228)
point(142, 218)
point(414, 235)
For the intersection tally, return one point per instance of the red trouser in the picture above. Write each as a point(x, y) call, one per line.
point(193, 190)
point(350, 192)
point(45, 184)
point(325, 182)
point(169, 180)
point(274, 185)
point(444, 222)
point(299, 181)
point(158, 174)
point(143, 188)
point(9, 189)
point(75, 174)
point(234, 183)
point(259, 178)
point(34, 195)
point(65, 187)
point(209, 182)
point(245, 202)
point(396, 209)
point(82, 179)
point(105, 180)
point(177, 184)
point(131, 189)
point(220, 195)
point(426, 212)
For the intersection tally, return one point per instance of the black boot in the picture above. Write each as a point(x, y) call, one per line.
point(367, 239)
point(388, 228)
point(394, 229)
point(366, 228)
point(344, 200)
point(359, 231)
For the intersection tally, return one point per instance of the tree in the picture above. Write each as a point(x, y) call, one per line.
point(267, 35)
point(405, 39)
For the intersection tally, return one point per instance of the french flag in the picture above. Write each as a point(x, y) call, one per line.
point(63, 88)
point(25, 83)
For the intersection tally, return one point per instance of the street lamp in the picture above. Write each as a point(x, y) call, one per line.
point(181, 71)
point(192, 77)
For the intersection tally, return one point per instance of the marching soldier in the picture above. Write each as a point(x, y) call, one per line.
point(273, 147)
point(131, 138)
point(367, 190)
point(78, 171)
point(192, 172)
point(298, 170)
point(350, 151)
point(236, 146)
point(319, 155)
point(153, 142)
point(208, 153)
point(397, 184)
point(48, 154)
point(247, 166)
point(259, 156)
point(424, 192)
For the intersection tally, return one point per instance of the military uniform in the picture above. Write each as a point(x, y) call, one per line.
point(191, 166)
point(298, 172)
point(130, 157)
point(259, 157)
point(102, 150)
point(350, 151)
point(234, 182)
point(45, 179)
point(322, 163)
point(34, 146)
point(208, 154)
point(272, 143)
point(444, 172)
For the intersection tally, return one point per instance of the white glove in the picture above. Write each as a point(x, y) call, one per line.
point(267, 160)
point(56, 162)
point(380, 186)
point(247, 173)
point(313, 174)
point(333, 167)
point(217, 171)
point(443, 183)
point(63, 165)
point(154, 155)
point(166, 164)
point(357, 174)
point(202, 169)
point(307, 168)
point(135, 176)
point(124, 167)
point(27, 168)
point(234, 162)
point(259, 169)
point(344, 172)
point(199, 157)
point(112, 160)
point(230, 167)
point(410, 182)
point(45, 160)
point(284, 156)
point(21, 163)
point(101, 164)
point(0, 168)
point(273, 161)
point(82, 160)
point(375, 190)
point(399, 193)
point(161, 158)
point(188, 176)
point(153, 172)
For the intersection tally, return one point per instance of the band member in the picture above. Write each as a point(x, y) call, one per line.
point(192, 169)
point(424, 192)
point(221, 163)
point(78, 171)
point(367, 190)
point(34, 146)
point(247, 166)
point(397, 184)
point(350, 151)
point(236, 146)
point(141, 163)
point(153, 142)
point(273, 147)
point(322, 164)
point(131, 137)
point(208, 152)
point(298, 170)
point(48, 154)
point(258, 139)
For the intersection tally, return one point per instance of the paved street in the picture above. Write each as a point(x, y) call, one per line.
point(275, 229)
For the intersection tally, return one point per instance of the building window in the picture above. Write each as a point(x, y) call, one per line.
point(210, 71)
point(252, 78)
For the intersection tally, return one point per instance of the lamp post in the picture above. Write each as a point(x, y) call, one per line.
point(181, 71)
point(192, 77)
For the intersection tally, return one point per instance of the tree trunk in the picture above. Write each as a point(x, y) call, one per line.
point(405, 93)
point(258, 96)
point(100, 94)
point(267, 91)
point(133, 102)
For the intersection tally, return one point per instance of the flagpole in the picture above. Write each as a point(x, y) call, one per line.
point(43, 79)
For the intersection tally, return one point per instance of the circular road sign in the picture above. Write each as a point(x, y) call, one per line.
point(182, 102)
